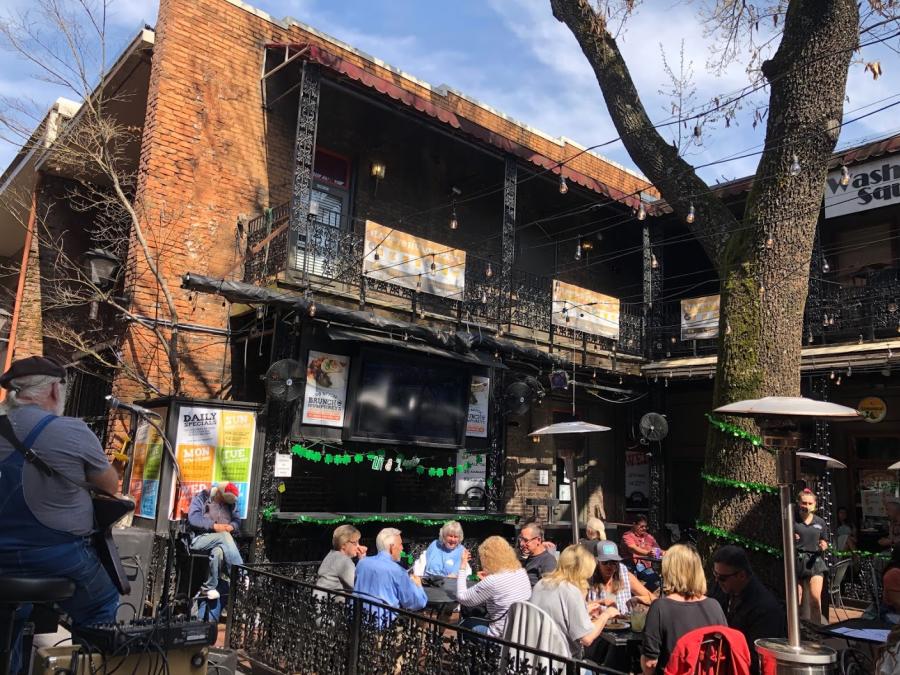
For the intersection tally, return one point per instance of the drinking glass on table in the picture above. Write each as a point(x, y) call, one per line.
point(638, 616)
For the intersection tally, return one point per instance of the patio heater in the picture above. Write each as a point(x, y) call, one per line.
point(568, 456)
point(779, 417)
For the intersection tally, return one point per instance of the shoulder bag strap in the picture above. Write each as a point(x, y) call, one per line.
point(9, 434)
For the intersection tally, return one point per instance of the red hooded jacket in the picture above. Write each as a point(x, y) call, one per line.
point(689, 653)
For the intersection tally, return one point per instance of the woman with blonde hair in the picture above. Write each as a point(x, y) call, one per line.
point(503, 582)
point(683, 607)
point(562, 595)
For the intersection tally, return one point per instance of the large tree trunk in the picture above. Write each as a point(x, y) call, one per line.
point(763, 259)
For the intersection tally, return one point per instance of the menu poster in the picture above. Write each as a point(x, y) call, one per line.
point(637, 480)
point(470, 485)
point(479, 391)
point(213, 445)
point(146, 463)
point(325, 399)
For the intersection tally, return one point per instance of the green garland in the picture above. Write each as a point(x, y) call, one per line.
point(861, 554)
point(269, 513)
point(737, 432)
point(339, 457)
point(746, 542)
point(749, 486)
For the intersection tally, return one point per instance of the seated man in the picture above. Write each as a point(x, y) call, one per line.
point(640, 545)
point(45, 520)
point(888, 610)
point(212, 520)
point(382, 579)
point(749, 606)
point(538, 558)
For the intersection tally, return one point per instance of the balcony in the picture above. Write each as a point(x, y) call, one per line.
point(324, 256)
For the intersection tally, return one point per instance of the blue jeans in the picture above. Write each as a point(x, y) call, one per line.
point(95, 599)
point(210, 542)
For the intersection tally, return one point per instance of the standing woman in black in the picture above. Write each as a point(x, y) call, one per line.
point(810, 542)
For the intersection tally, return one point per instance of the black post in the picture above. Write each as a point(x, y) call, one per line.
point(355, 628)
point(232, 590)
point(304, 159)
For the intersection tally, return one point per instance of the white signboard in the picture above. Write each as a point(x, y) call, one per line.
point(325, 399)
point(413, 262)
point(700, 318)
point(479, 392)
point(585, 310)
point(284, 465)
point(872, 185)
point(470, 485)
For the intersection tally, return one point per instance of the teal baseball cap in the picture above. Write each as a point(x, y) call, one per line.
point(607, 551)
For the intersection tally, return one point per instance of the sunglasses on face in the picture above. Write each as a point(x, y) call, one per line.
point(608, 563)
point(724, 577)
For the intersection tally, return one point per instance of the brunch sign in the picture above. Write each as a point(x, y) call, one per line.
point(871, 186)
point(325, 399)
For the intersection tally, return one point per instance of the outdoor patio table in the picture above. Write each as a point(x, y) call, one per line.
point(441, 594)
point(870, 631)
point(620, 650)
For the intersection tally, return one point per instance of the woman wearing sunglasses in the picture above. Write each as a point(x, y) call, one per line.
point(612, 584)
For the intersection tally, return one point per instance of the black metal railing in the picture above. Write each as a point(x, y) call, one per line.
point(285, 624)
point(863, 308)
point(323, 250)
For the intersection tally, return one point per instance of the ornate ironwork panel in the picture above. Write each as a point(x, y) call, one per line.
point(266, 247)
point(288, 625)
point(532, 300)
point(304, 153)
point(508, 236)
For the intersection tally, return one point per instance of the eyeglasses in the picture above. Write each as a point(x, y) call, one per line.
point(724, 577)
point(609, 562)
point(527, 540)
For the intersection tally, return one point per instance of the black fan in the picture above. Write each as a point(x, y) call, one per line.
point(536, 387)
point(285, 380)
point(654, 427)
point(518, 398)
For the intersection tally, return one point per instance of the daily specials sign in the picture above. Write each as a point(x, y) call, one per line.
point(872, 185)
point(325, 399)
point(479, 391)
point(413, 262)
point(146, 462)
point(213, 445)
point(700, 318)
point(587, 311)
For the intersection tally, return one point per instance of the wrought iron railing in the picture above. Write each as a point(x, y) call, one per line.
point(322, 249)
point(866, 308)
point(288, 626)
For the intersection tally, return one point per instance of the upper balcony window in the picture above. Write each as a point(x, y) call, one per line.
point(332, 169)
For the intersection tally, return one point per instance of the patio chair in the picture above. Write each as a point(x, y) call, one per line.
point(855, 662)
point(835, 577)
point(528, 624)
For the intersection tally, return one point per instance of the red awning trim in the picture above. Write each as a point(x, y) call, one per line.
point(384, 86)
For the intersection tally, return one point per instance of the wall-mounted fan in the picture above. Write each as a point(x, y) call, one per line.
point(517, 398)
point(654, 427)
point(285, 380)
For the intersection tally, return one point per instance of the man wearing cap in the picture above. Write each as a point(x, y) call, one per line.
point(45, 520)
point(212, 518)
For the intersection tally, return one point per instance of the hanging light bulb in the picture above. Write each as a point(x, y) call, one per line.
point(654, 263)
point(376, 256)
point(312, 309)
point(578, 249)
point(454, 223)
point(809, 338)
point(849, 371)
point(691, 214)
point(488, 272)
point(483, 297)
point(837, 382)
point(621, 380)
point(563, 185)
point(832, 375)
point(795, 166)
point(433, 266)
point(594, 374)
point(641, 212)
point(845, 176)
point(825, 266)
point(770, 241)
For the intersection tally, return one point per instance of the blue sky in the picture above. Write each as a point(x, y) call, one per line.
point(514, 56)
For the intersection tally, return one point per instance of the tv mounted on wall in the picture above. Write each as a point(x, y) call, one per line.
point(400, 398)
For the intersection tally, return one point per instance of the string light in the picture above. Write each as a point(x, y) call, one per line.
point(654, 263)
point(831, 376)
point(641, 212)
point(563, 185)
point(578, 249)
point(312, 309)
point(454, 223)
point(849, 371)
point(845, 176)
point(795, 166)
point(483, 297)
point(770, 242)
point(809, 338)
point(488, 272)
point(837, 382)
point(825, 266)
point(691, 214)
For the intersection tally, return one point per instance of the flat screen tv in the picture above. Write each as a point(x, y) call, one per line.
point(400, 398)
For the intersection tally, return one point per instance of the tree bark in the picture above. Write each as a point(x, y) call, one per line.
point(763, 260)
